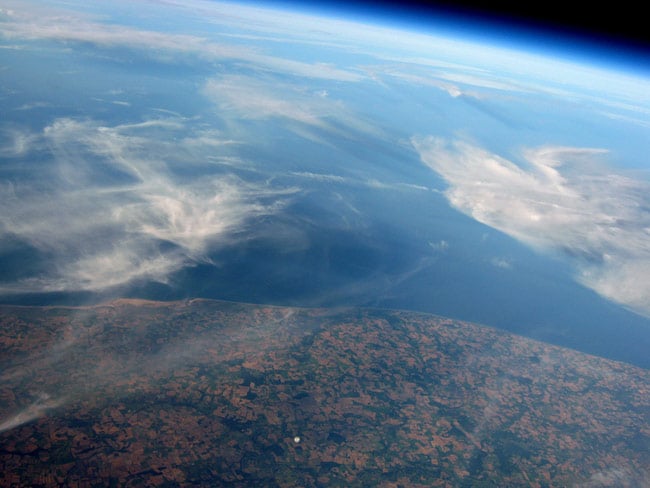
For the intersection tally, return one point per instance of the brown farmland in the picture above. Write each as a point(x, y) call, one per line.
point(209, 393)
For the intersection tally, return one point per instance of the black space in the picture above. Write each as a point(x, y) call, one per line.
point(619, 29)
point(619, 22)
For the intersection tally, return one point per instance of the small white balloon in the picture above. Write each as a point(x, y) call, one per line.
point(296, 439)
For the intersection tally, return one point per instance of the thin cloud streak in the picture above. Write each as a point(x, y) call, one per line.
point(93, 364)
point(253, 99)
point(15, 142)
point(64, 27)
point(32, 412)
point(370, 183)
point(563, 200)
point(308, 113)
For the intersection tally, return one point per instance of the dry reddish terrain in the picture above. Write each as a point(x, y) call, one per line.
point(211, 393)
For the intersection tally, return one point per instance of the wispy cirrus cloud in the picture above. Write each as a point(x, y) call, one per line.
point(36, 410)
point(310, 112)
point(107, 208)
point(562, 199)
point(16, 141)
point(456, 84)
point(370, 183)
point(251, 98)
point(617, 476)
point(502, 263)
point(66, 27)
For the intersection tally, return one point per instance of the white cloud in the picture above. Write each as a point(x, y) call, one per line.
point(31, 412)
point(564, 200)
point(370, 183)
point(107, 200)
point(621, 477)
point(440, 246)
point(393, 185)
point(15, 141)
point(327, 178)
point(306, 112)
point(67, 27)
point(502, 263)
point(455, 84)
point(122, 262)
point(254, 99)
point(33, 105)
point(485, 81)
point(192, 217)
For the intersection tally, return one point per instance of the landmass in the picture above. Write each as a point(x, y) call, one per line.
point(211, 393)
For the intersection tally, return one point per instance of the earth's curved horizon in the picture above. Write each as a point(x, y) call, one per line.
point(310, 159)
